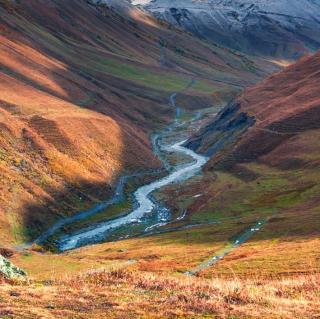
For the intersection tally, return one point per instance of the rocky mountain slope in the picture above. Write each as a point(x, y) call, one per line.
point(277, 28)
point(82, 86)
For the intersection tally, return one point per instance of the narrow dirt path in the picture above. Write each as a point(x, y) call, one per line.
point(241, 239)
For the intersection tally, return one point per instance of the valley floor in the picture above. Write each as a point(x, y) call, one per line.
point(146, 276)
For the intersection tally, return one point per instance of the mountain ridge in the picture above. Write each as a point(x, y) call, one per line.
point(281, 29)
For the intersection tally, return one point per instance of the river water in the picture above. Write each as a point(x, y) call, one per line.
point(144, 202)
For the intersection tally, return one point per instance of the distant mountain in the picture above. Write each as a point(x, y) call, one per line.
point(276, 28)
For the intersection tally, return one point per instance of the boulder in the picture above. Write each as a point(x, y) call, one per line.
point(10, 271)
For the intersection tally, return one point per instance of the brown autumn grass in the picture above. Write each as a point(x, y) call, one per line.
point(68, 125)
point(126, 294)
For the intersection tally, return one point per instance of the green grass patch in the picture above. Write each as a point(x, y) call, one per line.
point(167, 82)
point(109, 213)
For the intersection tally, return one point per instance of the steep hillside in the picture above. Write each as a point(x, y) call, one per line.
point(278, 111)
point(82, 86)
point(265, 167)
point(281, 29)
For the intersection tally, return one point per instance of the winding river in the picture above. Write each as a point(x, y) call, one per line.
point(147, 212)
point(144, 202)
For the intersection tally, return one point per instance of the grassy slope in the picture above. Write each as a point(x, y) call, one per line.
point(81, 89)
point(271, 174)
point(268, 187)
point(273, 275)
point(280, 262)
point(285, 182)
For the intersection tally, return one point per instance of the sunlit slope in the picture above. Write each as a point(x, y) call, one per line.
point(82, 86)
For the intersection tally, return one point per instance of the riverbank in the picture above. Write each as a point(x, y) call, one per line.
point(90, 226)
point(149, 214)
point(144, 203)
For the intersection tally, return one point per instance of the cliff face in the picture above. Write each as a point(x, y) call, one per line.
point(229, 125)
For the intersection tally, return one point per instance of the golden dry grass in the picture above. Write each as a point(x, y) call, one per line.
point(125, 294)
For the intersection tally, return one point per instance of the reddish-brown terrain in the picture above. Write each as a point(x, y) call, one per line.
point(285, 113)
point(82, 86)
point(264, 166)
